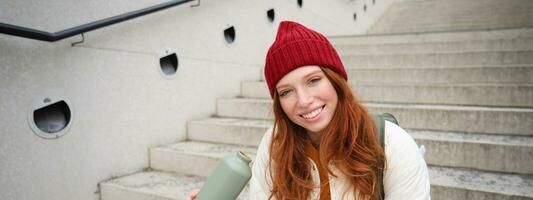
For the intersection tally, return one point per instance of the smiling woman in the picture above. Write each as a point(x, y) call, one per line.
point(323, 144)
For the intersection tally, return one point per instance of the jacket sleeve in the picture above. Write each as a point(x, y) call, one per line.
point(406, 176)
point(260, 183)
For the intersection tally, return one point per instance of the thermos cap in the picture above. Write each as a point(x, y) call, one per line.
point(244, 156)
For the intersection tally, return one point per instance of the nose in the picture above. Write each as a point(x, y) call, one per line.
point(304, 98)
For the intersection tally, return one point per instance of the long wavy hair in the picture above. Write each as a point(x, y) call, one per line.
point(349, 143)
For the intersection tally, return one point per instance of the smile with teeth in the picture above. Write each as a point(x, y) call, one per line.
point(313, 113)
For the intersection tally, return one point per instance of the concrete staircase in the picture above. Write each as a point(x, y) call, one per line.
point(467, 96)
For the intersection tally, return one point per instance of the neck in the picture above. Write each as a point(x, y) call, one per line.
point(315, 138)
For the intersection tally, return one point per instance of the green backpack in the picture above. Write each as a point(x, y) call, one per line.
point(379, 120)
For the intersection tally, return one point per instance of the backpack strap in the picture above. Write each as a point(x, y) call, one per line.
point(389, 117)
point(379, 120)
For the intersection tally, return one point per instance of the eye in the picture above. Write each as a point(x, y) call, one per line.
point(314, 80)
point(284, 93)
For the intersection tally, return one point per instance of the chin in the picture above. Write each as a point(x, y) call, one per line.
point(314, 129)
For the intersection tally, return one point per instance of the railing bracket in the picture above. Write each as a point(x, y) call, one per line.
point(78, 42)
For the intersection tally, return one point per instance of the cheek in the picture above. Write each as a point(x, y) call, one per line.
point(332, 95)
point(329, 93)
point(287, 106)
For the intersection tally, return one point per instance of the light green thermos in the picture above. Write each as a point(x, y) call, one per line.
point(228, 179)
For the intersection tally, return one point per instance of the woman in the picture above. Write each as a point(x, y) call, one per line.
point(323, 144)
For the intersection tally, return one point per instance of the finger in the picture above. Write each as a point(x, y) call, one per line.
point(195, 192)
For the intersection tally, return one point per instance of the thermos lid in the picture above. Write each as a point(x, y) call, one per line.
point(244, 156)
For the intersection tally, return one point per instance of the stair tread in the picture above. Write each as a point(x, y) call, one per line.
point(439, 67)
point(499, 45)
point(163, 185)
point(435, 43)
point(423, 54)
point(479, 138)
point(438, 36)
point(447, 28)
point(444, 68)
point(509, 184)
point(404, 105)
point(236, 122)
point(156, 183)
point(206, 149)
point(450, 107)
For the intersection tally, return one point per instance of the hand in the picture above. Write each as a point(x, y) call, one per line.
point(193, 194)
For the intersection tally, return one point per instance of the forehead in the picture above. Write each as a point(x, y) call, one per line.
point(297, 74)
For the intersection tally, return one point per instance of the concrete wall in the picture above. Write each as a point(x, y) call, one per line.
point(121, 103)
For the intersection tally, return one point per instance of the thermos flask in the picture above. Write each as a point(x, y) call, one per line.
point(228, 179)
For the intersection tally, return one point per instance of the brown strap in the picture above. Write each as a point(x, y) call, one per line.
point(312, 152)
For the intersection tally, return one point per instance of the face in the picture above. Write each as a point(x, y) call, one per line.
point(308, 98)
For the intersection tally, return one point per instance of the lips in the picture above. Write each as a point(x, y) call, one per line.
point(313, 113)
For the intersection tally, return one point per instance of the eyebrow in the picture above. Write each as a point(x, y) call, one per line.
point(312, 73)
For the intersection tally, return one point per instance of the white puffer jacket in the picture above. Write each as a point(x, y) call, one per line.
point(406, 176)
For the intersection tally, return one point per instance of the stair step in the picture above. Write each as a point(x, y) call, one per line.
point(255, 89)
point(498, 153)
point(152, 185)
point(415, 28)
point(455, 183)
point(487, 20)
point(472, 15)
point(457, 5)
point(155, 185)
point(228, 130)
point(191, 157)
point(504, 35)
point(517, 95)
point(437, 47)
point(446, 60)
point(493, 120)
point(456, 9)
point(464, 75)
point(245, 108)
point(473, 119)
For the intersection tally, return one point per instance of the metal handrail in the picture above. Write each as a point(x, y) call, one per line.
point(24, 32)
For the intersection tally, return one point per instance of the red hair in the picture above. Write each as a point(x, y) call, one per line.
point(349, 143)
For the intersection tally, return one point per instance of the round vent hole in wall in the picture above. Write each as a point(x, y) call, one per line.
point(300, 3)
point(169, 64)
point(229, 35)
point(50, 120)
point(270, 15)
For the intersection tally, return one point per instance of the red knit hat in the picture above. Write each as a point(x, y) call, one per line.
point(296, 46)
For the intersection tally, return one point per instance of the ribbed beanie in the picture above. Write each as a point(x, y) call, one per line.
point(296, 46)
